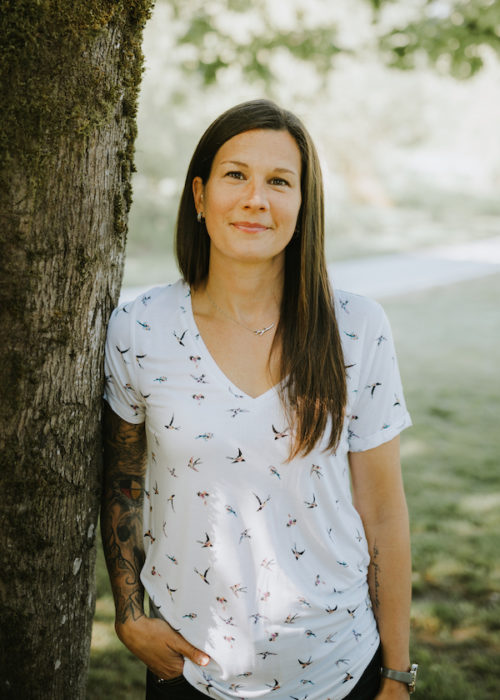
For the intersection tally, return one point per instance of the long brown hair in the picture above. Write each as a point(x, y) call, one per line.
point(312, 363)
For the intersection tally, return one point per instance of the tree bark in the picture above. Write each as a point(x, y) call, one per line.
point(70, 74)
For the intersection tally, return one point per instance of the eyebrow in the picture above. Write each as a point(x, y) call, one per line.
point(245, 165)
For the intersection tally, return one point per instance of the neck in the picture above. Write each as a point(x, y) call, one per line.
point(250, 294)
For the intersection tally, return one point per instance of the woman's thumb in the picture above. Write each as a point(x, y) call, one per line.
point(192, 653)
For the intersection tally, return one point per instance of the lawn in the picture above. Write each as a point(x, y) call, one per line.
point(446, 340)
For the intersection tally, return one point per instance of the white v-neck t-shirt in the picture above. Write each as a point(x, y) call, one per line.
point(260, 563)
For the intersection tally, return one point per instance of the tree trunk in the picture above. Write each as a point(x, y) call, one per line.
point(70, 74)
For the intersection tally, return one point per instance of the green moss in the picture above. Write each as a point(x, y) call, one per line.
point(118, 215)
point(54, 81)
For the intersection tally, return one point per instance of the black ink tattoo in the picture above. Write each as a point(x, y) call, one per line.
point(376, 580)
point(121, 515)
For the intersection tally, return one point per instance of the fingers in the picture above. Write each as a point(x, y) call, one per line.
point(190, 652)
point(160, 647)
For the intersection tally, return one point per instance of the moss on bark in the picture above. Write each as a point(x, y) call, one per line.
point(69, 74)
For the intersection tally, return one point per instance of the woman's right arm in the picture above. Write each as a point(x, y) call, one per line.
point(151, 640)
point(121, 514)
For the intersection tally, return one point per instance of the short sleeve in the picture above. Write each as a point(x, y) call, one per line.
point(378, 410)
point(121, 391)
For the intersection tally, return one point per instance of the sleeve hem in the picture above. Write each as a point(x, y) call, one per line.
point(377, 439)
point(121, 412)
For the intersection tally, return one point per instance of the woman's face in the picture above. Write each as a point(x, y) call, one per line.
point(252, 197)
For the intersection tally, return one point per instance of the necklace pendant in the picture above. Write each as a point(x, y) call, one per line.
point(261, 331)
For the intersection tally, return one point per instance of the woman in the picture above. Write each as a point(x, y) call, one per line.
point(242, 401)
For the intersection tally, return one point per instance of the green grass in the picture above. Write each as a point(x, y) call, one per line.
point(447, 342)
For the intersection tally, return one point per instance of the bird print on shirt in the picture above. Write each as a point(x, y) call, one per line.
point(210, 421)
point(278, 434)
point(171, 425)
point(316, 470)
point(138, 359)
point(202, 379)
point(372, 387)
point(256, 617)
point(179, 337)
point(204, 436)
point(207, 542)
point(237, 588)
point(122, 352)
point(236, 411)
point(203, 575)
point(208, 682)
point(194, 463)
point(245, 535)
point(305, 664)
point(296, 553)
point(261, 502)
point(265, 654)
point(171, 591)
point(312, 503)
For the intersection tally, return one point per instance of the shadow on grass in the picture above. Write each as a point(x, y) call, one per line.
point(446, 339)
point(446, 342)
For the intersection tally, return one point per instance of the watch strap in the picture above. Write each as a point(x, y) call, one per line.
point(407, 677)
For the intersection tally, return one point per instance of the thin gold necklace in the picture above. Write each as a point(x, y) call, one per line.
point(257, 331)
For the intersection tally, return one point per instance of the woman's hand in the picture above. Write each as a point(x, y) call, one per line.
point(160, 647)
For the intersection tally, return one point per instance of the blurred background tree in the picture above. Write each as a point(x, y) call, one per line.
point(410, 157)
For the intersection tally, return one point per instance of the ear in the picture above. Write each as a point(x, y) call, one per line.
point(198, 190)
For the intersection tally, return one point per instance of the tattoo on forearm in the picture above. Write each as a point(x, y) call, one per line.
point(376, 579)
point(122, 514)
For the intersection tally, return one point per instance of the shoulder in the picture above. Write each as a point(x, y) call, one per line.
point(140, 311)
point(358, 313)
point(140, 301)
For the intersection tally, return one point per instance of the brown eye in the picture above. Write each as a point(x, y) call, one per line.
point(280, 182)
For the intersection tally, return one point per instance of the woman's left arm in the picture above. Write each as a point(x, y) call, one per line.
point(379, 498)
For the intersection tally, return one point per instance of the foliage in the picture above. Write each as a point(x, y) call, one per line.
point(452, 35)
point(224, 33)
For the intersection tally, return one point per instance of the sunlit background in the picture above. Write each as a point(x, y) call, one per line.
point(411, 158)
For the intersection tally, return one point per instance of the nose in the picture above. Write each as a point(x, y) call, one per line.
point(255, 196)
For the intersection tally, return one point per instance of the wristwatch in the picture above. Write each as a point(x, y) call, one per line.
point(408, 677)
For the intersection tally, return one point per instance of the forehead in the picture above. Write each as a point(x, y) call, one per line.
point(268, 147)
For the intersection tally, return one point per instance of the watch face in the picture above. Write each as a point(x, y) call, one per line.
point(413, 683)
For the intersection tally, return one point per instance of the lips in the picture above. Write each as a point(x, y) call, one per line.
point(249, 226)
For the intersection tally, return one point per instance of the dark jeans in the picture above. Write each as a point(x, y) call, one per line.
point(179, 689)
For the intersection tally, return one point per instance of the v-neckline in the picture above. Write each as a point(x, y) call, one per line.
point(214, 366)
